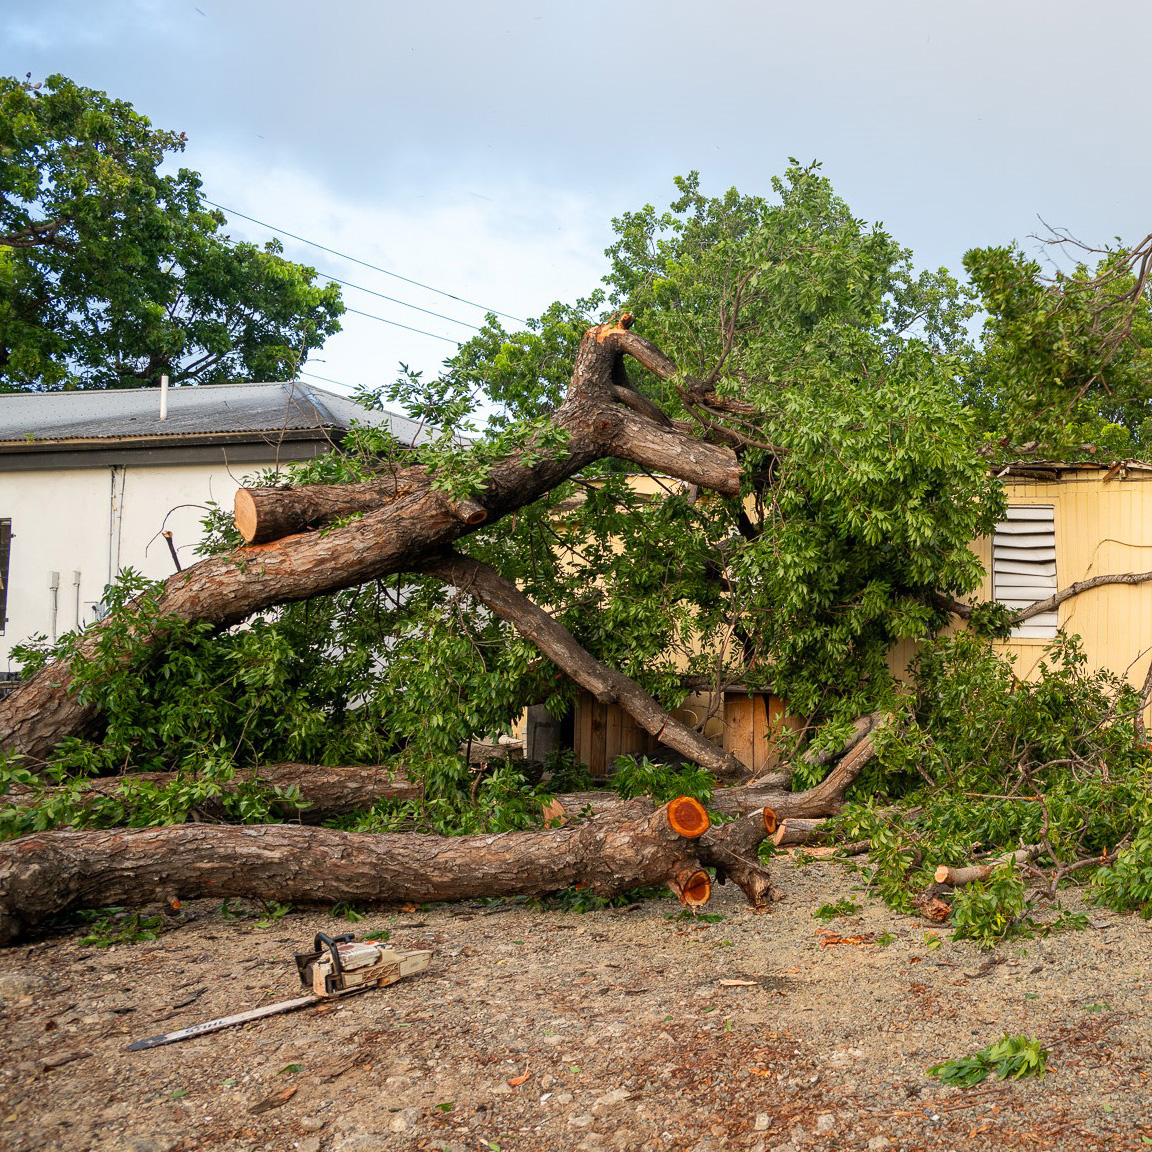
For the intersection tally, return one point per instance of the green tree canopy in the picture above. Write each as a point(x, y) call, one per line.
point(114, 272)
point(807, 341)
point(1065, 366)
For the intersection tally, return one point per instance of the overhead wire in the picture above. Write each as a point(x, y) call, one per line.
point(364, 263)
point(406, 327)
point(402, 303)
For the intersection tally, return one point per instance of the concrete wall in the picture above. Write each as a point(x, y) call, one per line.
point(87, 525)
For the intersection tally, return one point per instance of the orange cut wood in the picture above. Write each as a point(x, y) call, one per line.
point(687, 818)
point(770, 821)
point(691, 886)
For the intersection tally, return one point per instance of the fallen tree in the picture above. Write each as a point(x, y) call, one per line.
point(408, 525)
point(48, 873)
point(327, 792)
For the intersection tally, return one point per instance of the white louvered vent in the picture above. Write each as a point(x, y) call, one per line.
point(1024, 565)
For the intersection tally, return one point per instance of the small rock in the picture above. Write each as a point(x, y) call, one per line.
point(311, 1124)
point(564, 1098)
point(879, 1143)
point(825, 1124)
point(763, 1121)
point(584, 1120)
point(614, 1097)
point(309, 1144)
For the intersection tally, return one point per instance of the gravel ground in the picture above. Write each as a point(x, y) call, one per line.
point(620, 1020)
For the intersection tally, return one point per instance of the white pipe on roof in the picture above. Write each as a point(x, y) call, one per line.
point(164, 397)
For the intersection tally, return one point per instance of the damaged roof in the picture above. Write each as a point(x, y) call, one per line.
point(208, 413)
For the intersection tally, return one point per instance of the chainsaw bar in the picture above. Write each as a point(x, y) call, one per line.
point(224, 1022)
point(338, 966)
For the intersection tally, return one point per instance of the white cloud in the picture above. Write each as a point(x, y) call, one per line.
point(514, 249)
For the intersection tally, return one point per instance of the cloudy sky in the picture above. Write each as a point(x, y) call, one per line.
point(482, 147)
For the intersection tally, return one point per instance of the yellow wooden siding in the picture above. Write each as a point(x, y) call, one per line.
point(1102, 528)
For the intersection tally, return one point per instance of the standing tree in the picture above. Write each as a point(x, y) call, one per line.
point(113, 272)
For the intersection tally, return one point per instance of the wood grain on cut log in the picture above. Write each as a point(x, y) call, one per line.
point(691, 885)
point(48, 873)
point(393, 537)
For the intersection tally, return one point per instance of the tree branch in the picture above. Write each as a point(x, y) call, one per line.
point(503, 598)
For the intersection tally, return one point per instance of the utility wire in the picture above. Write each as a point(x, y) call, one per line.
point(364, 263)
point(406, 327)
point(393, 300)
point(326, 379)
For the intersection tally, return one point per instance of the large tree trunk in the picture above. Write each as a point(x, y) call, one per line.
point(327, 792)
point(48, 873)
point(337, 791)
point(413, 524)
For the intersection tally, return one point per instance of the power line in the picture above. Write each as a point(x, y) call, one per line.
point(364, 263)
point(406, 327)
point(326, 379)
point(393, 300)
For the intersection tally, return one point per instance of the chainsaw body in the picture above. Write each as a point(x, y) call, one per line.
point(342, 964)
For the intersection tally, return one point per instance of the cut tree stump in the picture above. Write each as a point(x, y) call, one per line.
point(48, 873)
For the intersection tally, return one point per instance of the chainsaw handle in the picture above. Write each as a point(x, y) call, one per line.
point(331, 943)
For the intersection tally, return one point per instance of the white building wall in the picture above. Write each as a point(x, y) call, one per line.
point(87, 525)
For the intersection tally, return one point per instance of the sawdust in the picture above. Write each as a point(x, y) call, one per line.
point(622, 1029)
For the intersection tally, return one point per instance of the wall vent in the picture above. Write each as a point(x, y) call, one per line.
point(1024, 565)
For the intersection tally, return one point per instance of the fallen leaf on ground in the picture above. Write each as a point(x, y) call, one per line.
point(276, 1100)
point(829, 938)
point(516, 1081)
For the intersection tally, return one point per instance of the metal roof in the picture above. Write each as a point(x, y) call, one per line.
point(290, 410)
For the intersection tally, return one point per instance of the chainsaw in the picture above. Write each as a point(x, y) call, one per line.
point(336, 966)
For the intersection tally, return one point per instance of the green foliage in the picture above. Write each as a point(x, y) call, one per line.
point(862, 482)
point(109, 926)
point(660, 782)
point(113, 271)
point(985, 910)
point(1127, 884)
point(1011, 1057)
point(992, 761)
point(1066, 360)
point(843, 907)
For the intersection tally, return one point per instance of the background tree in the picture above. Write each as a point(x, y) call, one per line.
point(1065, 365)
point(112, 270)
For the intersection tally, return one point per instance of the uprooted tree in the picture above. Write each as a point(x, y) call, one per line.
point(779, 505)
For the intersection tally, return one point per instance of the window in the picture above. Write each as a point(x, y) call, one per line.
point(1024, 565)
point(5, 548)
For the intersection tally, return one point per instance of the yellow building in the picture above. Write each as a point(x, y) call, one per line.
point(1066, 523)
point(1069, 523)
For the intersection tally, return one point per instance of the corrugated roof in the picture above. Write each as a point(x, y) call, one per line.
point(226, 410)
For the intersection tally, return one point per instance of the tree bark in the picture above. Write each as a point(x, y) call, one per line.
point(565, 651)
point(732, 849)
point(49, 873)
point(327, 791)
point(958, 877)
point(394, 537)
point(796, 830)
point(264, 514)
point(336, 791)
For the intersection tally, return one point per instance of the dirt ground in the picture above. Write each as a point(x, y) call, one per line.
point(621, 1021)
